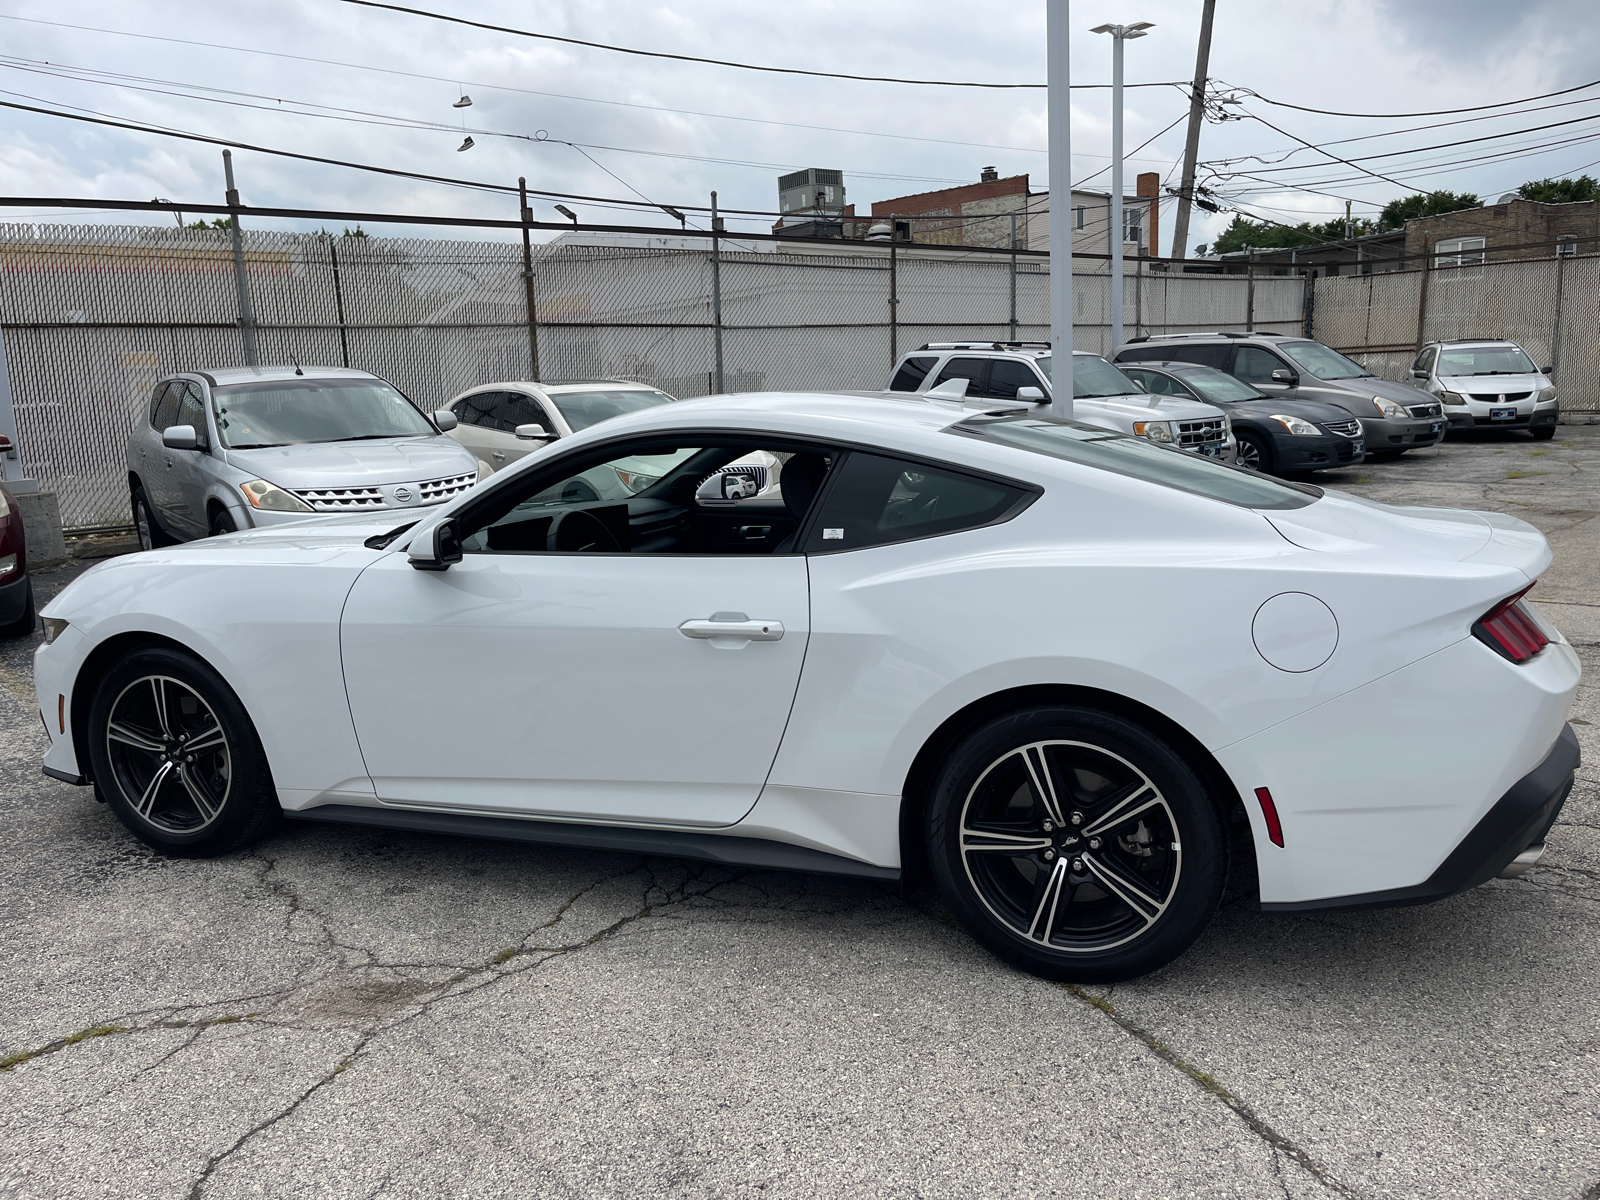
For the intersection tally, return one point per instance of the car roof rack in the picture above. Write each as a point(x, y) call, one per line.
point(984, 346)
point(1463, 341)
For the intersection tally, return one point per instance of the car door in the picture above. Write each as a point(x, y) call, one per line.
point(640, 685)
point(1255, 366)
point(191, 469)
point(163, 478)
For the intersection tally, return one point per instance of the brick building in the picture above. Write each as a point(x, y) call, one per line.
point(1517, 228)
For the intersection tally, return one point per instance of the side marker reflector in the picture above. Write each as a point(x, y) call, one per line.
point(1269, 810)
point(61, 712)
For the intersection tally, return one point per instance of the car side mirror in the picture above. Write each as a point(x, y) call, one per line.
point(445, 420)
point(1418, 373)
point(534, 432)
point(739, 485)
point(1550, 370)
point(1284, 375)
point(436, 548)
point(179, 437)
point(1036, 395)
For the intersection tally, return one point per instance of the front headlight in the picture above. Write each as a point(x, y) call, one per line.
point(271, 498)
point(1296, 426)
point(1547, 396)
point(484, 471)
point(1155, 431)
point(1388, 408)
point(1452, 399)
point(54, 627)
point(634, 481)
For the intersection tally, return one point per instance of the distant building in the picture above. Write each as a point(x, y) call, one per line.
point(811, 203)
point(1513, 228)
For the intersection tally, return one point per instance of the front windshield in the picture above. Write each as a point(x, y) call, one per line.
point(1139, 459)
point(591, 406)
point(1316, 359)
point(1485, 360)
point(1093, 376)
point(1215, 385)
point(294, 412)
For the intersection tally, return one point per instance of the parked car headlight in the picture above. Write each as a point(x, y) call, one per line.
point(1296, 426)
point(634, 481)
point(272, 498)
point(1452, 398)
point(1388, 408)
point(54, 627)
point(1547, 395)
point(1156, 431)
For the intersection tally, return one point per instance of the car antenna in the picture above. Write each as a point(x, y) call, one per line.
point(296, 363)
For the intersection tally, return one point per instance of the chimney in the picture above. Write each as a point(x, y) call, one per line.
point(1149, 184)
point(989, 175)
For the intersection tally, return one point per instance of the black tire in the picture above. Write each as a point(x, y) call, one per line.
point(151, 535)
point(1255, 452)
point(1004, 854)
point(178, 719)
point(1544, 433)
point(222, 522)
point(26, 621)
point(1384, 455)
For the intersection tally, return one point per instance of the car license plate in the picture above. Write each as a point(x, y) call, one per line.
point(1436, 427)
point(1502, 414)
point(1359, 447)
point(1211, 451)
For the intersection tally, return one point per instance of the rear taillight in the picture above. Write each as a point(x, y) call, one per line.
point(1510, 630)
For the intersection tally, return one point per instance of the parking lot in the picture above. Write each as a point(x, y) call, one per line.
point(350, 1012)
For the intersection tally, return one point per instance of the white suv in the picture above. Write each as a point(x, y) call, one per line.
point(1101, 394)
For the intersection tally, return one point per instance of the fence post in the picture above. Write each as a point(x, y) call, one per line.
point(1555, 333)
point(716, 287)
point(1422, 293)
point(1138, 296)
point(338, 299)
point(247, 325)
point(527, 279)
point(1250, 292)
point(894, 299)
point(1308, 303)
point(1013, 277)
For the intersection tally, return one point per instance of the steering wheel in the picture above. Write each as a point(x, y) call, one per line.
point(577, 529)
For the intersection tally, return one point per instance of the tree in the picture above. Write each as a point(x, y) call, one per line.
point(1263, 236)
point(1424, 204)
point(1561, 191)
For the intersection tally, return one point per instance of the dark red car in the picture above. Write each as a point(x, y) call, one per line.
point(16, 589)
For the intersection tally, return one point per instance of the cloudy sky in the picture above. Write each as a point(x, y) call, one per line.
point(328, 78)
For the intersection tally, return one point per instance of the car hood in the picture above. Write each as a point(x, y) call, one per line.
point(357, 464)
point(1343, 523)
point(1142, 407)
point(1306, 410)
point(1492, 384)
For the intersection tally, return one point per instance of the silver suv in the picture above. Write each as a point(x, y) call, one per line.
point(218, 451)
point(1489, 383)
point(1101, 394)
point(1394, 418)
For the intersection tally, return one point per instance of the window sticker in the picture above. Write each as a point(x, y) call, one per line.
point(833, 535)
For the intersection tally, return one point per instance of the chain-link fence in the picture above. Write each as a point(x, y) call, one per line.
point(92, 316)
point(1548, 306)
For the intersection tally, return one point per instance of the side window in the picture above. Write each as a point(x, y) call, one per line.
point(164, 406)
point(1156, 383)
point(1006, 375)
point(911, 374)
point(1207, 354)
point(965, 368)
point(517, 408)
point(1255, 365)
point(877, 499)
point(1425, 360)
point(478, 409)
point(191, 407)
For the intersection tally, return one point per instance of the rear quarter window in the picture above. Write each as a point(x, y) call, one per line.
point(911, 374)
point(876, 499)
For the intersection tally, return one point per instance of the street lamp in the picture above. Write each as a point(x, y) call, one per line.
point(1119, 34)
point(567, 213)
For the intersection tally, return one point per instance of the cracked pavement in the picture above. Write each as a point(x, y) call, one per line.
point(351, 1012)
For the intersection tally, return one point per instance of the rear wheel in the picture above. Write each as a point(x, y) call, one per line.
point(1076, 844)
point(151, 535)
point(1254, 451)
point(176, 757)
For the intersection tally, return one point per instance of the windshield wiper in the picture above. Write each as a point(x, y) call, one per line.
point(367, 437)
point(257, 445)
point(380, 541)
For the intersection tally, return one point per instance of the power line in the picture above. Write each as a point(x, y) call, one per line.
point(1440, 112)
point(715, 62)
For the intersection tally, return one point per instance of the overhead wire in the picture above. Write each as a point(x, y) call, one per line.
point(1439, 112)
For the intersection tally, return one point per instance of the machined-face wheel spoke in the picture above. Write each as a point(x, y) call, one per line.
point(206, 739)
point(1135, 894)
point(1050, 897)
point(159, 687)
point(197, 793)
point(1044, 786)
point(982, 840)
point(152, 789)
point(190, 751)
point(129, 736)
point(1140, 797)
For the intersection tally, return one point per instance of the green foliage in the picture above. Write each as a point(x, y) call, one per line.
point(219, 223)
point(1242, 234)
point(1561, 191)
point(1431, 204)
point(356, 232)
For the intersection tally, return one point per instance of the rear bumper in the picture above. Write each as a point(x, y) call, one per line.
point(14, 598)
point(1518, 820)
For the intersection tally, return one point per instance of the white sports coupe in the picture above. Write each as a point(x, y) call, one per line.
point(1057, 669)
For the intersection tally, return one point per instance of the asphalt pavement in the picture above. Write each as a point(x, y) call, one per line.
point(354, 1013)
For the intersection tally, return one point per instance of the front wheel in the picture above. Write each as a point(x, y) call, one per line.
point(222, 522)
point(1254, 452)
point(176, 757)
point(1544, 433)
point(1076, 844)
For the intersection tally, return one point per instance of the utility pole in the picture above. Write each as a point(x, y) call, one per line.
point(247, 325)
point(1349, 230)
point(1191, 146)
point(716, 287)
point(1059, 108)
point(1014, 276)
point(527, 280)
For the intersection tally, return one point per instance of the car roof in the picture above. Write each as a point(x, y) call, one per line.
point(565, 385)
point(227, 375)
point(1476, 342)
point(1174, 365)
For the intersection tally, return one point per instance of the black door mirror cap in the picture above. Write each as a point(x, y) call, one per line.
point(1550, 370)
point(1418, 374)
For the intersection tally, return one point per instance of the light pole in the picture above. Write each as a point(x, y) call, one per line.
point(1059, 109)
point(1119, 34)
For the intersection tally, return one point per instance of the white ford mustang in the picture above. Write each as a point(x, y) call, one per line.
point(1046, 664)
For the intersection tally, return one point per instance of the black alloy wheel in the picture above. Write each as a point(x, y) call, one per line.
point(1255, 452)
point(176, 757)
point(151, 535)
point(1076, 844)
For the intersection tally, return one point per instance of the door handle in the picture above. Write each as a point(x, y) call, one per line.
point(500, 454)
point(732, 627)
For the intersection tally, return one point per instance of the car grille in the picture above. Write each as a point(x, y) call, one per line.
point(436, 491)
point(1500, 398)
point(1195, 434)
point(341, 499)
point(1347, 429)
point(1424, 410)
